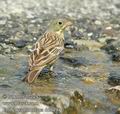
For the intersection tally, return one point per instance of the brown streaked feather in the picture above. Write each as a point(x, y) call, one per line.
point(45, 53)
point(32, 75)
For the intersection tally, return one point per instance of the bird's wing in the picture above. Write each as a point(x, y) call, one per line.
point(46, 50)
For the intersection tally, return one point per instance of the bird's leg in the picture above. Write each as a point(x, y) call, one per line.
point(52, 73)
point(51, 69)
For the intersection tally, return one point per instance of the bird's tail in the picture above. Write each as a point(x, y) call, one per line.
point(32, 75)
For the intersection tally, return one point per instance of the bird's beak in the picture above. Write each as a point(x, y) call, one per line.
point(67, 24)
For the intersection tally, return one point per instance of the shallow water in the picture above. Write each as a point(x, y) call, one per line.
point(84, 67)
point(89, 77)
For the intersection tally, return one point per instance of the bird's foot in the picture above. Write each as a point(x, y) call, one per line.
point(51, 71)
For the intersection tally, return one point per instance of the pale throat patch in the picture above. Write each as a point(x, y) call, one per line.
point(60, 33)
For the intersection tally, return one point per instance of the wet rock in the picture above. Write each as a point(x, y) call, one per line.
point(88, 80)
point(76, 33)
point(66, 72)
point(70, 45)
point(3, 38)
point(79, 95)
point(118, 111)
point(90, 44)
point(114, 94)
point(78, 61)
point(8, 50)
point(116, 56)
point(109, 48)
point(97, 22)
point(3, 20)
point(74, 103)
point(20, 43)
point(93, 31)
point(109, 41)
point(113, 48)
point(109, 31)
point(114, 78)
point(5, 86)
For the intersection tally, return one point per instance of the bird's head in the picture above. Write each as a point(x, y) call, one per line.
point(59, 25)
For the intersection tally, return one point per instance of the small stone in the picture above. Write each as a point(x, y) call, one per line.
point(29, 48)
point(118, 111)
point(116, 56)
point(34, 38)
point(114, 94)
point(108, 28)
point(109, 31)
point(77, 34)
point(102, 40)
point(114, 90)
point(8, 50)
point(90, 44)
point(29, 14)
point(90, 34)
point(79, 95)
point(3, 20)
point(3, 38)
point(78, 61)
point(3, 45)
point(88, 80)
point(113, 48)
point(2, 78)
point(97, 22)
point(114, 78)
point(69, 45)
point(117, 26)
point(20, 43)
point(14, 48)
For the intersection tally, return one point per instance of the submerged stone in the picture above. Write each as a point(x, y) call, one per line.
point(114, 94)
point(114, 78)
point(20, 43)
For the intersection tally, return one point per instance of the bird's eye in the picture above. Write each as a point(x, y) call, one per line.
point(60, 23)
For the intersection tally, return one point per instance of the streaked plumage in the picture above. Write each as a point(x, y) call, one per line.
point(47, 49)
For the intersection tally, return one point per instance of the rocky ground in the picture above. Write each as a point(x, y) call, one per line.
point(86, 78)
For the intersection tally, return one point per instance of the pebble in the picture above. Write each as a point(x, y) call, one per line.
point(76, 61)
point(8, 50)
point(97, 22)
point(116, 56)
point(77, 34)
point(108, 28)
point(114, 78)
point(113, 48)
point(114, 92)
point(3, 20)
point(118, 111)
point(90, 34)
point(20, 43)
point(88, 80)
point(70, 45)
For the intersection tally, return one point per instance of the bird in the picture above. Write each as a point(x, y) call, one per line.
point(47, 49)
